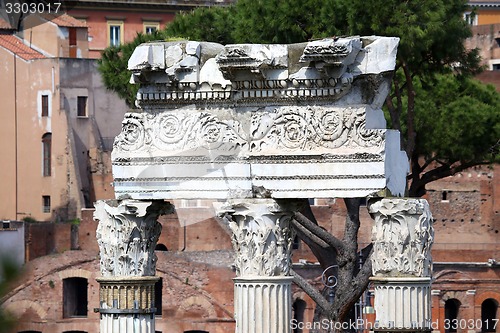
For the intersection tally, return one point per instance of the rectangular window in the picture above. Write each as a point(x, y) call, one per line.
point(115, 33)
point(46, 203)
point(75, 297)
point(82, 106)
point(45, 105)
point(72, 42)
point(46, 154)
point(470, 18)
point(151, 27)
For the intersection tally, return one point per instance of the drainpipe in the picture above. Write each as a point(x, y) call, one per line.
point(15, 136)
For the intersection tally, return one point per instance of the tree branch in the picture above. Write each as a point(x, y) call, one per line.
point(307, 236)
point(310, 290)
point(410, 115)
point(316, 230)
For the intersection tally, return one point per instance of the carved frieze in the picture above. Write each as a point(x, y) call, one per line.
point(261, 237)
point(287, 129)
point(312, 128)
point(127, 234)
point(178, 131)
point(402, 236)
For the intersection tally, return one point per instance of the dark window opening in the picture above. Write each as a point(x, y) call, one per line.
point(150, 29)
point(496, 67)
point(45, 105)
point(296, 242)
point(114, 35)
point(444, 196)
point(72, 42)
point(161, 247)
point(5, 225)
point(46, 154)
point(158, 296)
point(75, 297)
point(298, 309)
point(489, 315)
point(46, 203)
point(82, 106)
point(498, 41)
point(451, 308)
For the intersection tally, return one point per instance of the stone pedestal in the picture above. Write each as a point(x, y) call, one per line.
point(402, 264)
point(127, 234)
point(262, 240)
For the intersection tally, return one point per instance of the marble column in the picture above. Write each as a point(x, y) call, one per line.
point(402, 264)
point(262, 240)
point(127, 234)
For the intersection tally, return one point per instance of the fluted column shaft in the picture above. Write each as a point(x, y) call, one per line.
point(127, 234)
point(262, 240)
point(402, 264)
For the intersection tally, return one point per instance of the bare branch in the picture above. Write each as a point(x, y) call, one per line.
point(410, 115)
point(310, 290)
point(352, 221)
point(307, 236)
point(315, 229)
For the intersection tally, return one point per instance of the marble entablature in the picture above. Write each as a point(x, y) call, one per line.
point(270, 121)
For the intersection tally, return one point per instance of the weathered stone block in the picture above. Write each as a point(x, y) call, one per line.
point(248, 121)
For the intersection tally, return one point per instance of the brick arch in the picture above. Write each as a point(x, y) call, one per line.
point(458, 295)
point(18, 308)
point(480, 298)
point(200, 301)
point(450, 273)
point(71, 273)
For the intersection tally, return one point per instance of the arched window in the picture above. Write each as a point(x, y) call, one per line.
point(160, 247)
point(488, 315)
point(75, 297)
point(451, 308)
point(46, 154)
point(298, 307)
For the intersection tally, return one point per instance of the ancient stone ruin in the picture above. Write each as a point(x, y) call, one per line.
point(252, 124)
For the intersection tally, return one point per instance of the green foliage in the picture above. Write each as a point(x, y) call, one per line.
point(29, 219)
point(213, 24)
point(113, 66)
point(8, 273)
point(458, 119)
point(432, 32)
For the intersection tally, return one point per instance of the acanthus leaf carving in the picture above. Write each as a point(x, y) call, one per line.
point(127, 234)
point(261, 237)
point(402, 237)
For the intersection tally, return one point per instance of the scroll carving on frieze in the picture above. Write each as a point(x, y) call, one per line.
point(286, 128)
point(127, 234)
point(261, 237)
point(312, 128)
point(402, 236)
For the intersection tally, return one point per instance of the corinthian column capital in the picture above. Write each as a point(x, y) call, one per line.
point(261, 236)
point(402, 236)
point(127, 234)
